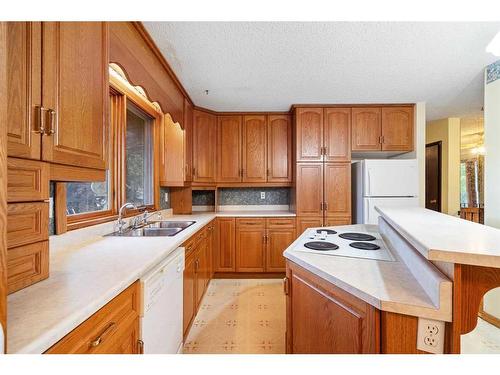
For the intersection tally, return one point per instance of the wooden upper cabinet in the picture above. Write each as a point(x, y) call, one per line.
point(75, 93)
point(254, 138)
point(337, 133)
point(279, 148)
point(366, 129)
point(309, 134)
point(229, 149)
point(172, 163)
point(397, 128)
point(337, 189)
point(24, 87)
point(250, 245)
point(204, 146)
point(188, 141)
point(309, 189)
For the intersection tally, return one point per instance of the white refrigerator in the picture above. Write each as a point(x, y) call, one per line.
point(382, 182)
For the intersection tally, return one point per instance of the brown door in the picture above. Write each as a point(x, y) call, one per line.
point(397, 129)
point(75, 90)
point(254, 149)
point(309, 189)
point(276, 243)
point(337, 134)
point(224, 257)
point(189, 291)
point(204, 147)
point(279, 149)
point(337, 189)
point(24, 88)
point(172, 163)
point(201, 270)
point(229, 149)
point(433, 176)
point(366, 129)
point(304, 223)
point(309, 134)
point(3, 184)
point(250, 245)
point(188, 141)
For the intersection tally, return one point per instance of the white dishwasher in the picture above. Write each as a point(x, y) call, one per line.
point(163, 303)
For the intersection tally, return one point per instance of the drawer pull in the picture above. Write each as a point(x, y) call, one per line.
point(98, 340)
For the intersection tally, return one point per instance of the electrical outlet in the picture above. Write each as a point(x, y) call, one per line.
point(430, 335)
point(262, 195)
point(51, 207)
point(166, 197)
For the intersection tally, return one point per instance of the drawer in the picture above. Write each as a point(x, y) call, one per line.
point(104, 331)
point(27, 223)
point(275, 223)
point(189, 245)
point(250, 222)
point(27, 180)
point(27, 265)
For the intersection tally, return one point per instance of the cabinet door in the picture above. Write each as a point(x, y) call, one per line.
point(224, 257)
point(397, 128)
point(323, 319)
point(204, 147)
point(229, 149)
point(75, 87)
point(189, 294)
point(277, 242)
point(254, 149)
point(309, 133)
point(250, 245)
point(201, 270)
point(309, 189)
point(335, 221)
point(337, 189)
point(279, 149)
point(366, 129)
point(188, 141)
point(304, 223)
point(24, 63)
point(337, 134)
point(172, 163)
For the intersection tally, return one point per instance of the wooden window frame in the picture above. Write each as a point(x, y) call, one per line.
point(120, 95)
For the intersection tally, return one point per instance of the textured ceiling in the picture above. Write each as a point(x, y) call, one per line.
point(264, 66)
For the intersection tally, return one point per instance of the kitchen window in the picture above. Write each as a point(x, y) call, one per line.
point(131, 176)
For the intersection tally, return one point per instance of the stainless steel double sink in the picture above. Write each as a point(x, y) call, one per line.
point(162, 228)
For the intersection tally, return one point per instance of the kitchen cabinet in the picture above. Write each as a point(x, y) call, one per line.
point(304, 223)
point(397, 129)
point(279, 148)
point(224, 258)
point(254, 148)
point(324, 319)
point(335, 221)
point(337, 134)
point(280, 234)
point(213, 243)
point(172, 168)
point(309, 134)
point(250, 244)
point(229, 149)
point(387, 128)
point(201, 267)
point(309, 189)
point(188, 141)
point(58, 92)
point(337, 185)
point(189, 288)
point(114, 329)
point(204, 147)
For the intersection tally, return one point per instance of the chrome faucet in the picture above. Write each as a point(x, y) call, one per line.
point(143, 219)
point(121, 222)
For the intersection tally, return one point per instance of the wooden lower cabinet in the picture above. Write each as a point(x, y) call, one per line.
point(323, 319)
point(304, 223)
point(250, 245)
point(224, 257)
point(114, 329)
point(277, 240)
point(334, 221)
point(189, 290)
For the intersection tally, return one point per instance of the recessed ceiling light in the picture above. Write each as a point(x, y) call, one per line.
point(494, 46)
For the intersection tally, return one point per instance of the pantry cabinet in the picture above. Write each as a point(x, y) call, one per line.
point(342, 324)
point(229, 149)
point(337, 185)
point(58, 92)
point(204, 147)
point(309, 189)
point(279, 148)
point(254, 150)
point(250, 244)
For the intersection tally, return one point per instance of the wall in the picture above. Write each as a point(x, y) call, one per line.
point(492, 165)
point(448, 132)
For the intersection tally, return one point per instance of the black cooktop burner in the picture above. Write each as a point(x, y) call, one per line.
point(357, 236)
point(321, 245)
point(364, 245)
point(328, 231)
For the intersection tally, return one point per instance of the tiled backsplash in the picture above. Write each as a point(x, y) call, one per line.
point(252, 196)
point(203, 197)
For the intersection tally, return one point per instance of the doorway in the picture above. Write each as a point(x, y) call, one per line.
point(433, 176)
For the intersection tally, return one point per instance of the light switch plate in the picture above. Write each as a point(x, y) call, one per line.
point(430, 335)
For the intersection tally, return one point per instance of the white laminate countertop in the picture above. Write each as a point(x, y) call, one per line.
point(264, 213)
point(388, 286)
point(441, 237)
